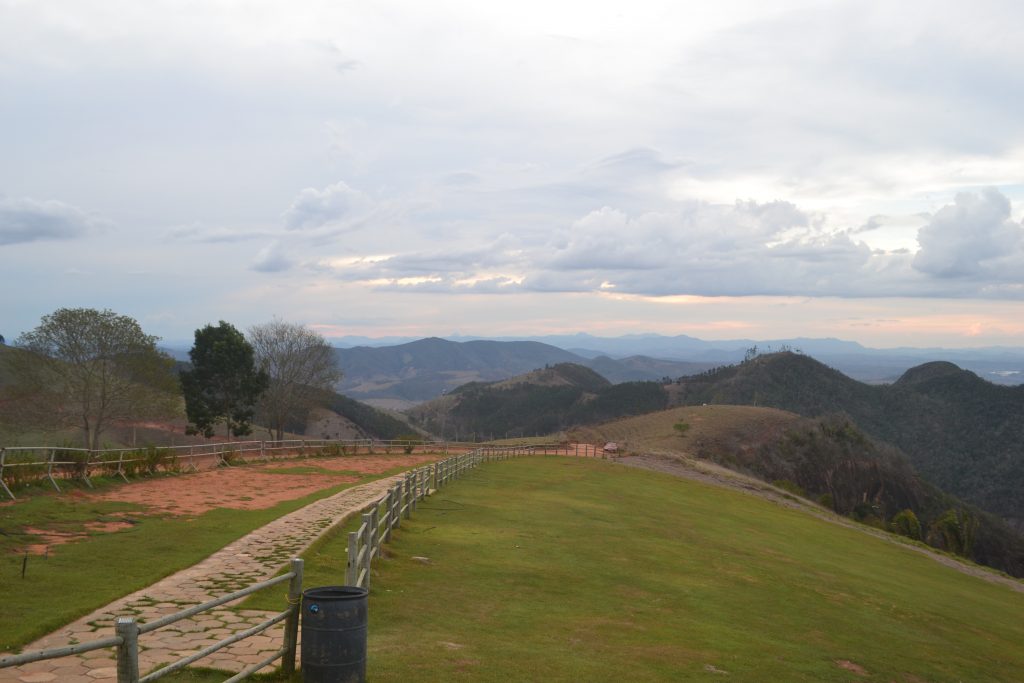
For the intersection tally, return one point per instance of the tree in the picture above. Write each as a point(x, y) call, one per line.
point(300, 365)
point(85, 368)
point(223, 384)
point(905, 523)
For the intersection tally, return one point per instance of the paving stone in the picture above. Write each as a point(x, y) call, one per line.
point(256, 557)
point(38, 677)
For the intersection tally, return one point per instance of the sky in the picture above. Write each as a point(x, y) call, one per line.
point(735, 169)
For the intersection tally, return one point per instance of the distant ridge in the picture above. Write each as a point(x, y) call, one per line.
point(540, 402)
point(426, 368)
point(999, 364)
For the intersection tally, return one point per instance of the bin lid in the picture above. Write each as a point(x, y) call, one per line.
point(328, 593)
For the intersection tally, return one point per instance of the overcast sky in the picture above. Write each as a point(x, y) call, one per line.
point(729, 169)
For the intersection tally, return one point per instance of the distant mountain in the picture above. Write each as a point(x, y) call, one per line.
point(1001, 365)
point(961, 432)
point(424, 369)
point(339, 417)
point(537, 403)
point(427, 368)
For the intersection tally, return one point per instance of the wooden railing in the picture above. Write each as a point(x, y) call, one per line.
point(51, 463)
point(380, 517)
point(378, 520)
point(127, 632)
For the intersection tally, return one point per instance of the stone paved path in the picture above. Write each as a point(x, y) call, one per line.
point(251, 559)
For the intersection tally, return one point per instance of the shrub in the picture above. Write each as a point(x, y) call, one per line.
point(409, 442)
point(681, 427)
point(954, 531)
point(905, 523)
point(231, 456)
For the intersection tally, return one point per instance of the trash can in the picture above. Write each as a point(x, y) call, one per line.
point(334, 634)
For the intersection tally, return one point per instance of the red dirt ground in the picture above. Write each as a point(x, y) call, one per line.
point(249, 488)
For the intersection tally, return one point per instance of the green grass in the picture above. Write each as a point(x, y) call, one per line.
point(563, 569)
point(84, 575)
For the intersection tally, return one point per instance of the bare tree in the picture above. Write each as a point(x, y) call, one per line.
point(300, 364)
point(86, 368)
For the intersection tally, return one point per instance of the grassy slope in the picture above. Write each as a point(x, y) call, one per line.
point(654, 432)
point(572, 569)
point(79, 577)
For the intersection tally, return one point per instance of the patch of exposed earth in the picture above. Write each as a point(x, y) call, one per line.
point(254, 487)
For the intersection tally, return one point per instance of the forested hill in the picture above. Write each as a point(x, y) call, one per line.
point(539, 402)
point(425, 369)
point(962, 433)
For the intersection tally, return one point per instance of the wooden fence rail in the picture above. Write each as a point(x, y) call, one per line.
point(380, 517)
point(127, 632)
point(80, 463)
point(378, 520)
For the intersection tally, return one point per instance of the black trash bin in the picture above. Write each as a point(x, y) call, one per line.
point(334, 634)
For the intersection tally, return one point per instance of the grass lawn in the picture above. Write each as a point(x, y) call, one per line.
point(81, 576)
point(561, 569)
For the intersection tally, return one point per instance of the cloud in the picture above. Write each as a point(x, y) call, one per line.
point(271, 259)
point(336, 205)
point(197, 232)
point(30, 220)
point(972, 237)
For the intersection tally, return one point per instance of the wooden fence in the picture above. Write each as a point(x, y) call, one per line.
point(379, 519)
point(127, 632)
point(51, 463)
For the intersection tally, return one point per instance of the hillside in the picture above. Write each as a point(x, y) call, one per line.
point(539, 402)
point(960, 432)
point(827, 460)
point(406, 374)
point(585, 570)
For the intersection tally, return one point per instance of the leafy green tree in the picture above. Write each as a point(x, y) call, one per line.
point(300, 366)
point(223, 384)
point(954, 531)
point(85, 368)
point(905, 523)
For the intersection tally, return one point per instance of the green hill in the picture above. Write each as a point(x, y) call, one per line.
point(561, 569)
point(828, 460)
point(960, 432)
point(541, 402)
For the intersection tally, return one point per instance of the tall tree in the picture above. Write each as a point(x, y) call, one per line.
point(223, 384)
point(85, 368)
point(299, 363)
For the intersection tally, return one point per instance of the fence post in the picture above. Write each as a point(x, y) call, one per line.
point(375, 546)
point(351, 568)
point(3, 455)
point(128, 650)
point(49, 469)
point(368, 543)
point(388, 514)
point(407, 495)
point(291, 623)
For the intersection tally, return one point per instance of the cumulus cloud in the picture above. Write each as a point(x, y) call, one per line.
point(271, 259)
point(336, 205)
point(700, 248)
point(974, 236)
point(31, 220)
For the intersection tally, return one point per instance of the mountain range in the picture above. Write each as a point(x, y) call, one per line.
point(937, 437)
point(399, 376)
point(1001, 365)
